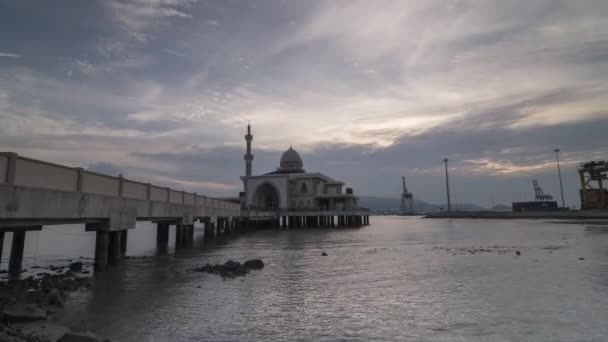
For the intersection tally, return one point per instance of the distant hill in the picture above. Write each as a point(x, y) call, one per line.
point(387, 204)
point(501, 207)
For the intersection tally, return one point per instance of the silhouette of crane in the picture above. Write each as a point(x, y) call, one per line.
point(539, 194)
point(407, 200)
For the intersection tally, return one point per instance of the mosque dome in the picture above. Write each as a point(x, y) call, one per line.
point(291, 161)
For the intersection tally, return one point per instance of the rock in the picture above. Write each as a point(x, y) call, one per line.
point(23, 313)
point(231, 265)
point(518, 252)
point(79, 337)
point(581, 258)
point(76, 266)
point(323, 254)
point(254, 264)
point(56, 298)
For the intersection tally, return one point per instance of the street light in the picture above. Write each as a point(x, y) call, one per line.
point(559, 172)
point(447, 184)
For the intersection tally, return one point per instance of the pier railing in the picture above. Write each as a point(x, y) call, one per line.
point(21, 171)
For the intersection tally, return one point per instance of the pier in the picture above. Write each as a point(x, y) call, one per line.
point(35, 194)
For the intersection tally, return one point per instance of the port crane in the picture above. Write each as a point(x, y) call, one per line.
point(539, 194)
point(407, 200)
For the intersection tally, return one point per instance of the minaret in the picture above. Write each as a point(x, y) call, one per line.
point(248, 156)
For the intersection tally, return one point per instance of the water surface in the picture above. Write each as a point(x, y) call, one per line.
point(401, 278)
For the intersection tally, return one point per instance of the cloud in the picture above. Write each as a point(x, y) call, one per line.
point(367, 91)
point(9, 55)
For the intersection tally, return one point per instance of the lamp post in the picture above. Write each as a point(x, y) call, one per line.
point(559, 173)
point(447, 184)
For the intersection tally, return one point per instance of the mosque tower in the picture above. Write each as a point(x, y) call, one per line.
point(248, 156)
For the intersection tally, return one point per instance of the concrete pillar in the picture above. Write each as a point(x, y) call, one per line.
point(1, 245)
point(179, 235)
point(191, 233)
point(123, 242)
point(209, 230)
point(16, 259)
point(114, 247)
point(101, 250)
point(162, 237)
point(220, 227)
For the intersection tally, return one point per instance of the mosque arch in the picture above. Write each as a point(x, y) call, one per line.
point(304, 188)
point(266, 196)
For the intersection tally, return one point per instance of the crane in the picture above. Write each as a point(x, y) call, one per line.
point(539, 194)
point(407, 200)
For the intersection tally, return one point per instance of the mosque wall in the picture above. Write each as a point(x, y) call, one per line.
point(280, 184)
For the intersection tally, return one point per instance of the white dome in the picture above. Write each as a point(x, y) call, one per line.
point(291, 161)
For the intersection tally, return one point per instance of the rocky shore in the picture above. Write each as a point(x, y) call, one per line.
point(27, 304)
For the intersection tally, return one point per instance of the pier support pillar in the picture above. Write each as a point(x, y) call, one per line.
point(209, 230)
point(162, 237)
point(101, 250)
point(114, 247)
point(1, 245)
point(179, 235)
point(123, 243)
point(16, 258)
point(191, 234)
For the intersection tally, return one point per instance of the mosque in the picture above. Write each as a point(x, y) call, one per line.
point(291, 188)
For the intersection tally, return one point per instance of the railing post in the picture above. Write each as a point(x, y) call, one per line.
point(120, 185)
point(168, 195)
point(79, 179)
point(148, 191)
point(11, 170)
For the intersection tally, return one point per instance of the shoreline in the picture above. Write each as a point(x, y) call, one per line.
point(558, 215)
point(27, 305)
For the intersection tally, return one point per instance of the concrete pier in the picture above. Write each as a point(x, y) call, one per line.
point(209, 230)
point(1, 245)
point(123, 243)
point(114, 247)
point(101, 249)
point(16, 258)
point(179, 236)
point(190, 234)
point(162, 237)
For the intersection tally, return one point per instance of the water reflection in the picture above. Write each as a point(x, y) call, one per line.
point(399, 279)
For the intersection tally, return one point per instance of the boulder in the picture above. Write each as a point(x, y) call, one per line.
point(254, 264)
point(76, 266)
point(79, 337)
point(23, 313)
point(231, 265)
point(55, 298)
point(324, 254)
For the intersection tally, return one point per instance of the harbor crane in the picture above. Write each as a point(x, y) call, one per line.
point(539, 194)
point(407, 200)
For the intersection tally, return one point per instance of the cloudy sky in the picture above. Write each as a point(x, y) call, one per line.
point(367, 91)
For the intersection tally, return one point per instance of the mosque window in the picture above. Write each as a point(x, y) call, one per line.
point(304, 188)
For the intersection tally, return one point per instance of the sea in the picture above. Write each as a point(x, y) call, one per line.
point(398, 279)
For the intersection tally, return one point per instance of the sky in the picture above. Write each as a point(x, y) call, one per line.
point(367, 91)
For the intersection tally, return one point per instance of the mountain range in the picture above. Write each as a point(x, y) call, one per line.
point(393, 205)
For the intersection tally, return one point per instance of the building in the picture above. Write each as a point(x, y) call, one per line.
point(593, 174)
point(520, 207)
point(291, 188)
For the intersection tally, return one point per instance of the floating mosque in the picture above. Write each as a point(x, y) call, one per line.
point(291, 188)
